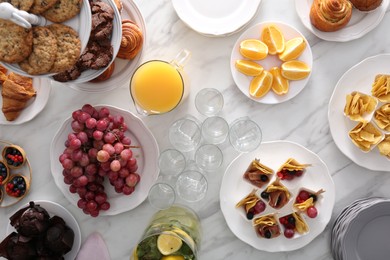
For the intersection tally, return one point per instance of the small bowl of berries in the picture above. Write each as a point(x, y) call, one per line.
point(14, 156)
point(17, 186)
point(4, 173)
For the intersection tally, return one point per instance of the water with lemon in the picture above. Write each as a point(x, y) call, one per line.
point(172, 234)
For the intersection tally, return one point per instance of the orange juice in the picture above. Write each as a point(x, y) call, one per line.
point(157, 87)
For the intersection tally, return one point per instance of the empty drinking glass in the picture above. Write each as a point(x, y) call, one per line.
point(171, 162)
point(161, 195)
point(209, 101)
point(191, 186)
point(184, 134)
point(215, 130)
point(209, 157)
point(245, 135)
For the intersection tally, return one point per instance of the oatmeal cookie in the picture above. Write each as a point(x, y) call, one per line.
point(68, 47)
point(63, 10)
point(44, 52)
point(23, 5)
point(39, 6)
point(15, 42)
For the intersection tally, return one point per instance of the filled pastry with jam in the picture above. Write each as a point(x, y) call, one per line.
point(251, 204)
point(267, 226)
point(276, 194)
point(306, 200)
point(258, 174)
point(293, 223)
point(291, 169)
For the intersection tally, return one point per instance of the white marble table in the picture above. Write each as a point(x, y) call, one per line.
point(302, 119)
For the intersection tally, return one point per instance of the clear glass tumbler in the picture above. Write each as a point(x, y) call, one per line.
point(245, 135)
point(171, 162)
point(185, 134)
point(161, 195)
point(191, 186)
point(209, 157)
point(215, 129)
point(209, 101)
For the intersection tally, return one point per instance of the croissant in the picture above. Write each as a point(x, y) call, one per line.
point(105, 75)
point(3, 75)
point(132, 40)
point(330, 15)
point(16, 92)
point(366, 5)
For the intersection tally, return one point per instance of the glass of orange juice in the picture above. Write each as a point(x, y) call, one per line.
point(157, 86)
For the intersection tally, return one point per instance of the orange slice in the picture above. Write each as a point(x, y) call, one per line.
point(293, 49)
point(280, 84)
point(273, 38)
point(249, 67)
point(261, 84)
point(295, 70)
point(253, 49)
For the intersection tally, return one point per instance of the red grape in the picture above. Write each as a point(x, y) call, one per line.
point(311, 212)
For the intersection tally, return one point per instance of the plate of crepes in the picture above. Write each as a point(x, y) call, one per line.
point(341, 20)
point(359, 113)
point(41, 229)
point(278, 197)
point(22, 98)
point(133, 40)
point(104, 160)
point(271, 62)
point(51, 47)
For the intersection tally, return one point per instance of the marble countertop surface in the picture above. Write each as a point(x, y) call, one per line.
point(302, 119)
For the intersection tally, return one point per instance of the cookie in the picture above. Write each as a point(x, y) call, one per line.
point(15, 42)
point(63, 10)
point(39, 6)
point(68, 75)
point(102, 17)
point(44, 52)
point(96, 55)
point(23, 5)
point(68, 47)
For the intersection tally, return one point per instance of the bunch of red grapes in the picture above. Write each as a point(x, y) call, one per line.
point(98, 147)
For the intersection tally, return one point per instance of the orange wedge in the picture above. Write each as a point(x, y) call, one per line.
point(249, 67)
point(280, 84)
point(261, 84)
point(293, 49)
point(273, 38)
point(295, 70)
point(253, 49)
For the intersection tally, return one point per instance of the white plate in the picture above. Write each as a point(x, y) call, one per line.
point(56, 209)
point(34, 106)
point(360, 23)
point(218, 17)
point(273, 155)
point(146, 155)
point(358, 78)
point(123, 68)
point(80, 23)
point(367, 233)
point(242, 81)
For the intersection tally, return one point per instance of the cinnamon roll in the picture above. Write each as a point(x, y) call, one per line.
point(330, 15)
point(366, 5)
point(132, 40)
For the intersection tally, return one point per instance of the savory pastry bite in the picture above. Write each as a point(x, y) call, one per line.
point(365, 136)
point(381, 87)
point(276, 194)
point(132, 40)
point(267, 226)
point(330, 15)
point(382, 117)
point(293, 223)
point(366, 5)
point(251, 204)
point(16, 92)
point(306, 201)
point(258, 174)
point(291, 169)
point(358, 105)
point(384, 146)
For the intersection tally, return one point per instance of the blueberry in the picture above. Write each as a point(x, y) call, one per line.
point(267, 234)
point(21, 186)
point(314, 197)
point(264, 195)
point(264, 178)
point(291, 220)
point(249, 215)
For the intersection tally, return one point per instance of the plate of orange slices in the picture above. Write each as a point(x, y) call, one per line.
point(271, 62)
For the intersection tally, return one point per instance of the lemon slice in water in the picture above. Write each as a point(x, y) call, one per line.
point(168, 243)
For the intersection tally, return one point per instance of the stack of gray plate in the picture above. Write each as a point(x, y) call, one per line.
point(362, 231)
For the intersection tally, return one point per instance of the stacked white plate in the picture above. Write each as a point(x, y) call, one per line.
point(361, 231)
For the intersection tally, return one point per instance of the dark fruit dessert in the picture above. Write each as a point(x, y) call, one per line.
point(293, 223)
point(252, 205)
point(267, 226)
point(14, 156)
point(30, 221)
point(291, 169)
point(258, 174)
point(38, 237)
point(306, 200)
point(16, 186)
point(4, 173)
point(276, 194)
